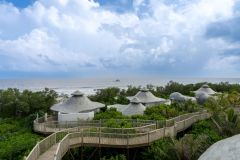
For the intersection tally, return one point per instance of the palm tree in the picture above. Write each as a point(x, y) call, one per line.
point(234, 98)
point(231, 122)
point(190, 147)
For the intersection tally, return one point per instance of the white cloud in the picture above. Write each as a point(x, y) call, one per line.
point(39, 52)
point(224, 66)
point(66, 35)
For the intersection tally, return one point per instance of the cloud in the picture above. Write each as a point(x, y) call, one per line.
point(225, 29)
point(173, 38)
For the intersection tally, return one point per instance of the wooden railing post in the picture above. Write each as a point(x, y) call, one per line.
point(148, 138)
point(55, 156)
point(99, 136)
point(55, 138)
point(174, 129)
point(82, 137)
point(44, 125)
point(184, 125)
point(38, 149)
point(127, 140)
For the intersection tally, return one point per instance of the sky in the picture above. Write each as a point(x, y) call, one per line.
point(77, 38)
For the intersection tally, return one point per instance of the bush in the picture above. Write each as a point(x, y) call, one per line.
point(160, 112)
point(21, 104)
point(108, 114)
point(15, 139)
point(162, 149)
point(206, 127)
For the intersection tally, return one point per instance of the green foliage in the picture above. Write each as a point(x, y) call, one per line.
point(162, 149)
point(112, 123)
point(131, 91)
point(160, 112)
point(229, 121)
point(234, 98)
point(15, 103)
point(206, 127)
point(143, 117)
point(213, 106)
point(108, 114)
point(117, 157)
point(225, 87)
point(187, 89)
point(108, 96)
point(15, 139)
point(188, 106)
point(190, 147)
point(232, 116)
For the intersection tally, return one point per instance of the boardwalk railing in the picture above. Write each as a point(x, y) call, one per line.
point(48, 127)
point(115, 137)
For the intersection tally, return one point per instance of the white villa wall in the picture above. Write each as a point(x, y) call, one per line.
point(75, 116)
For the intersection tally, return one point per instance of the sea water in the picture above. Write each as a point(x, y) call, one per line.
point(91, 85)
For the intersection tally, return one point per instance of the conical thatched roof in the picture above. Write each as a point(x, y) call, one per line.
point(176, 96)
point(77, 103)
point(145, 96)
point(205, 89)
point(134, 107)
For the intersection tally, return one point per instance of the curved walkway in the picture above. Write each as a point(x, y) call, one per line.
point(55, 146)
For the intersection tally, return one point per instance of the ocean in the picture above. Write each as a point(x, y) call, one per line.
point(91, 85)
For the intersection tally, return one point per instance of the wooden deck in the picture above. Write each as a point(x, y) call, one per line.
point(55, 146)
point(49, 154)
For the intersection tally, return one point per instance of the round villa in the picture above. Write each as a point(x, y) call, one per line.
point(203, 93)
point(205, 89)
point(178, 97)
point(135, 107)
point(76, 107)
point(147, 98)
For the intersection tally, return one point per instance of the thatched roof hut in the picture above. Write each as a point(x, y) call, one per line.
point(133, 108)
point(146, 97)
point(176, 96)
point(78, 103)
point(205, 89)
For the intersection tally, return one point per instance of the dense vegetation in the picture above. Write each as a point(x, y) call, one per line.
point(18, 109)
point(115, 95)
point(16, 139)
point(225, 122)
point(17, 112)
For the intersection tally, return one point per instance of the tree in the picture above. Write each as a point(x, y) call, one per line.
point(160, 112)
point(109, 114)
point(190, 147)
point(234, 98)
point(107, 96)
point(16, 103)
point(163, 149)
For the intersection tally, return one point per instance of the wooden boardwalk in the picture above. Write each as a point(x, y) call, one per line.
point(49, 154)
point(55, 146)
